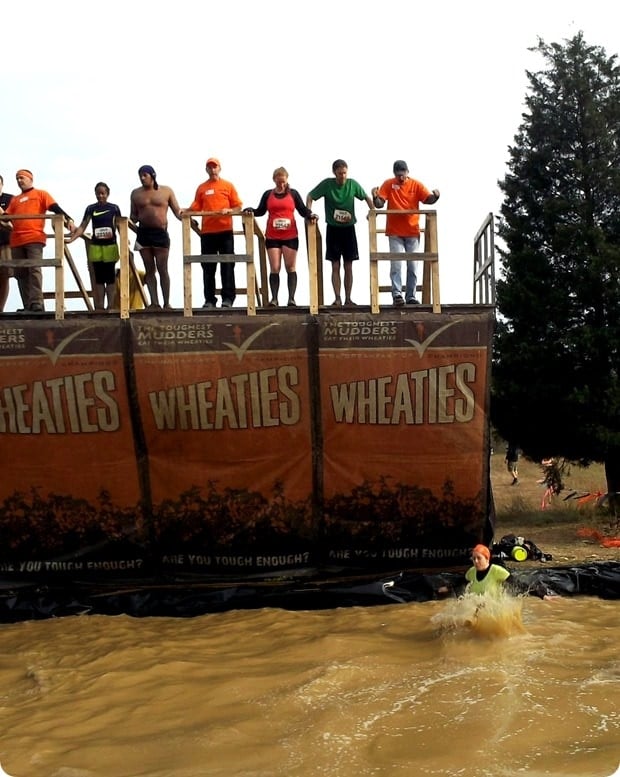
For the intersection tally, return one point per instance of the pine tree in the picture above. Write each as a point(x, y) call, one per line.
point(556, 371)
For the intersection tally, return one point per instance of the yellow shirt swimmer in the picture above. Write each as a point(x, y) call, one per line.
point(484, 577)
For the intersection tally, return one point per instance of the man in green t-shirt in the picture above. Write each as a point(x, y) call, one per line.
point(340, 194)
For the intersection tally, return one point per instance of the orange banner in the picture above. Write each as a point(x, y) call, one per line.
point(240, 445)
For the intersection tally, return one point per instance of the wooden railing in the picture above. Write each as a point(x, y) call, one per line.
point(257, 290)
point(57, 261)
point(248, 228)
point(429, 255)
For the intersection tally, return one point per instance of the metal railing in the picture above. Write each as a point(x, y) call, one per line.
point(484, 263)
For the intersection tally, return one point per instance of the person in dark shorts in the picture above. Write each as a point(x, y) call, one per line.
point(101, 247)
point(281, 235)
point(340, 194)
point(149, 214)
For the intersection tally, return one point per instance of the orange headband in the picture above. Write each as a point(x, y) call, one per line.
point(483, 551)
point(25, 173)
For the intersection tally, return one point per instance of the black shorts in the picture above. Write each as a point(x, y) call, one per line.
point(105, 272)
point(274, 242)
point(152, 237)
point(341, 242)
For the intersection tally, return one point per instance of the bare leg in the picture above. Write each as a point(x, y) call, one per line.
point(99, 295)
point(336, 281)
point(348, 282)
point(161, 262)
point(109, 292)
point(150, 279)
point(97, 288)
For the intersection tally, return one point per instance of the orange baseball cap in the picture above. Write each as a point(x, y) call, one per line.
point(213, 162)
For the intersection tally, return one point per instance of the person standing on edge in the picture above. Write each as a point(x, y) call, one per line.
point(216, 232)
point(28, 236)
point(5, 248)
point(102, 248)
point(340, 194)
point(403, 193)
point(281, 236)
point(149, 212)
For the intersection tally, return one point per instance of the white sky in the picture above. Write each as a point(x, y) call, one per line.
point(93, 91)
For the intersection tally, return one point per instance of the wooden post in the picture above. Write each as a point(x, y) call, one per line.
point(124, 266)
point(58, 222)
point(186, 224)
point(311, 232)
point(430, 240)
point(374, 264)
point(262, 261)
point(247, 220)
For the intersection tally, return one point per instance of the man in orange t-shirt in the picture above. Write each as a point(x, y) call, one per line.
point(216, 232)
point(28, 236)
point(403, 193)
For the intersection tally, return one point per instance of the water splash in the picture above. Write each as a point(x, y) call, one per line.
point(483, 616)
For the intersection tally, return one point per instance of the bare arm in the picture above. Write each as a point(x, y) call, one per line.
point(79, 231)
point(432, 197)
point(174, 205)
point(133, 212)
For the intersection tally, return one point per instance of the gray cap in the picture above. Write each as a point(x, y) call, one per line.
point(400, 166)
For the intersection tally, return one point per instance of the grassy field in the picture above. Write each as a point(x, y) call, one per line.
point(568, 527)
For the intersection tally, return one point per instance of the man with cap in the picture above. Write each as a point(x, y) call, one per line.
point(28, 236)
point(216, 231)
point(403, 193)
point(5, 248)
point(149, 214)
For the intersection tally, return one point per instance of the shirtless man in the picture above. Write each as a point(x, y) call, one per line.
point(149, 212)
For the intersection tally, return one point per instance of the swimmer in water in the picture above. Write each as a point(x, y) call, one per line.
point(486, 578)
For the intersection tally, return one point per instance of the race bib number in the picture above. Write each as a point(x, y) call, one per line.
point(103, 233)
point(281, 223)
point(342, 216)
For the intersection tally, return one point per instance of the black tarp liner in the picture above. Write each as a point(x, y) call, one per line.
point(36, 602)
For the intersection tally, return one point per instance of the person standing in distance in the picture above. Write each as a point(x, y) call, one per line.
point(403, 193)
point(512, 462)
point(149, 212)
point(216, 232)
point(340, 194)
point(28, 236)
point(5, 248)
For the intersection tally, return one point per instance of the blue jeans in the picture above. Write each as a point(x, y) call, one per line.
point(403, 245)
